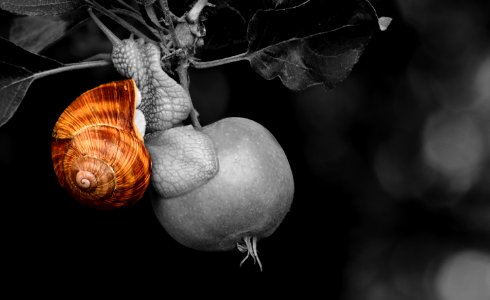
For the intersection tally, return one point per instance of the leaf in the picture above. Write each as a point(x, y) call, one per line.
point(18, 69)
point(16, 56)
point(34, 33)
point(13, 87)
point(384, 22)
point(317, 42)
point(40, 7)
point(221, 41)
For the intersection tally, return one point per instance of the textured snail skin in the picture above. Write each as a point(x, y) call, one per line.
point(164, 103)
point(183, 159)
point(98, 153)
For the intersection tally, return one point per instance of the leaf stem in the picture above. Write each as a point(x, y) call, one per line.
point(222, 61)
point(72, 67)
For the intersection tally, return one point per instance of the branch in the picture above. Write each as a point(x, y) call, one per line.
point(193, 14)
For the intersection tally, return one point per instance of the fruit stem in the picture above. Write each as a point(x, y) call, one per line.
point(251, 248)
point(182, 70)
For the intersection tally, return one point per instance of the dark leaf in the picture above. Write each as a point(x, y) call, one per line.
point(286, 3)
point(40, 7)
point(317, 42)
point(34, 33)
point(16, 56)
point(221, 41)
point(14, 83)
point(18, 69)
point(228, 39)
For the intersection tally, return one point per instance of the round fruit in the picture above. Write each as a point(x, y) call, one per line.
point(245, 201)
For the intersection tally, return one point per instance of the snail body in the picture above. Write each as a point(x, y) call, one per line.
point(97, 149)
point(164, 102)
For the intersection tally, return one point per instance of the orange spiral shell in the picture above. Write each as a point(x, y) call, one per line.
point(98, 153)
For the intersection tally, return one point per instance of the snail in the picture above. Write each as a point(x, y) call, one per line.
point(164, 102)
point(98, 146)
point(97, 149)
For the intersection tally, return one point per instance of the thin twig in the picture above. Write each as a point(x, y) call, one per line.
point(170, 22)
point(195, 12)
point(150, 12)
point(127, 6)
point(129, 13)
point(172, 15)
point(121, 21)
point(135, 16)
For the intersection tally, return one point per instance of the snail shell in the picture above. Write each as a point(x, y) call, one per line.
point(97, 149)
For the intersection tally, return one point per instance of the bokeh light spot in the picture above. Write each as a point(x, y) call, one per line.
point(453, 145)
point(464, 276)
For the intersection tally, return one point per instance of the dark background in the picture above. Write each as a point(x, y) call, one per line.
point(391, 174)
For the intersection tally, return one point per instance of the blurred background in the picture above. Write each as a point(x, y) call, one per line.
point(392, 174)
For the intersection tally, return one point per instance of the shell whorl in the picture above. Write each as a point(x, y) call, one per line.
point(98, 153)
